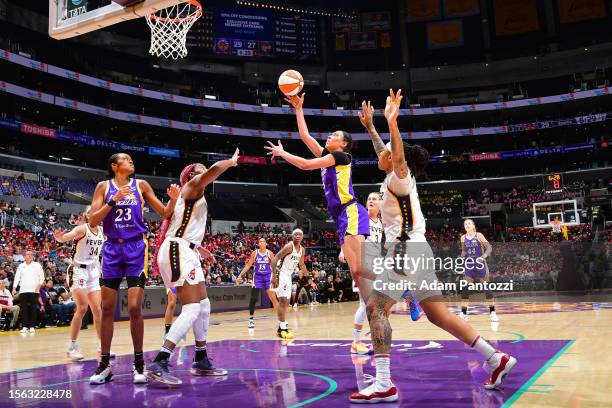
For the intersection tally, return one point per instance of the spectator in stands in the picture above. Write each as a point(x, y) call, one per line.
point(330, 290)
point(302, 288)
point(339, 287)
point(313, 289)
point(63, 305)
point(29, 278)
point(47, 315)
point(6, 307)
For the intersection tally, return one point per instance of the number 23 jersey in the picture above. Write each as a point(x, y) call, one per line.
point(125, 220)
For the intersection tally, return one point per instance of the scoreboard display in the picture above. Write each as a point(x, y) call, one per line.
point(553, 183)
point(256, 34)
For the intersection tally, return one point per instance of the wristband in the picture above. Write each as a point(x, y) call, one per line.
point(111, 203)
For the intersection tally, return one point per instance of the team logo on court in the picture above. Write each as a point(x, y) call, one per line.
point(192, 274)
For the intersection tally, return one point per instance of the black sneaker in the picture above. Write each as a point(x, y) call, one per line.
point(102, 376)
point(205, 367)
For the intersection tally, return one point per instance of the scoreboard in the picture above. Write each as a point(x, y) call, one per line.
point(553, 183)
point(255, 34)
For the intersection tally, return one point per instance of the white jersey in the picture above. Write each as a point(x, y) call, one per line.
point(290, 262)
point(87, 249)
point(376, 231)
point(189, 220)
point(400, 208)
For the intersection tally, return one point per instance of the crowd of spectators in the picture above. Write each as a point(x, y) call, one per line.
point(328, 280)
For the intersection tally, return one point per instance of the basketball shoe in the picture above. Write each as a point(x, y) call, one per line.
point(359, 347)
point(375, 393)
point(499, 366)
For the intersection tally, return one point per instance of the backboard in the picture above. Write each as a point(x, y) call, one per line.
point(70, 18)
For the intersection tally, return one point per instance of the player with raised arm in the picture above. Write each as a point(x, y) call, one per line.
point(180, 266)
point(118, 203)
point(291, 258)
point(334, 161)
point(262, 276)
point(83, 277)
point(405, 235)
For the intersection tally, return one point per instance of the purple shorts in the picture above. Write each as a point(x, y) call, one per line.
point(352, 220)
point(261, 281)
point(123, 259)
point(476, 272)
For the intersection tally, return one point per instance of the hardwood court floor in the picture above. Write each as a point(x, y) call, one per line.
point(577, 376)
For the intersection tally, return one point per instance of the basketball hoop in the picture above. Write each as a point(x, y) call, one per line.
point(169, 28)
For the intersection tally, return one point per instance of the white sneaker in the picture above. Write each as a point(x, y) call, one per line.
point(74, 353)
point(251, 324)
point(493, 317)
point(375, 393)
point(464, 316)
point(102, 376)
point(499, 365)
point(295, 306)
point(23, 330)
point(139, 377)
point(32, 330)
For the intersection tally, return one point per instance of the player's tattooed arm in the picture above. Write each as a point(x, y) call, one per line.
point(380, 327)
point(487, 245)
point(366, 117)
point(193, 189)
point(462, 242)
point(392, 110)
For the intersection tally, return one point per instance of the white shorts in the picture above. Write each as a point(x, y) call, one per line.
point(284, 286)
point(84, 278)
point(178, 263)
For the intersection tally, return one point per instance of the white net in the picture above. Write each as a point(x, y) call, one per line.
point(169, 29)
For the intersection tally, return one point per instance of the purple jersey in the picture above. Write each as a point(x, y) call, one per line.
point(262, 263)
point(125, 220)
point(473, 247)
point(338, 183)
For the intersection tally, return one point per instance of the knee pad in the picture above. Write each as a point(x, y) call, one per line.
point(488, 294)
point(200, 327)
point(205, 306)
point(184, 322)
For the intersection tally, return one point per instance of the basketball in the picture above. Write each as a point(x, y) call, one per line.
point(291, 82)
point(415, 228)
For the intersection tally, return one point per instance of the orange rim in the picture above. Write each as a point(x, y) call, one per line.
point(197, 15)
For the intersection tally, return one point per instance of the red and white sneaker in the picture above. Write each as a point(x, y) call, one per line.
point(499, 365)
point(375, 394)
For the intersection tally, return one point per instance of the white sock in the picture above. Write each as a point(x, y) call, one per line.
point(356, 335)
point(184, 322)
point(72, 345)
point(484, 348)
point(383, 370)
point(283, 325)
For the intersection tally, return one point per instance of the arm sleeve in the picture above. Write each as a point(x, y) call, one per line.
point(401, 187)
